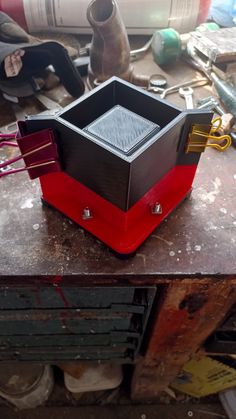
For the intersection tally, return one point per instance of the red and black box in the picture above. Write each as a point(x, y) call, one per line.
point(124, 162)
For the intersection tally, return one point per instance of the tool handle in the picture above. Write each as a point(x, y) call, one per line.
point(226, 92)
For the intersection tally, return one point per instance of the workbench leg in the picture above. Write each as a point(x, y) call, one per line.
point(188, 313)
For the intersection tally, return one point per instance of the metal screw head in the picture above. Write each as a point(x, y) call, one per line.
point(87, 213)
point(156, 209)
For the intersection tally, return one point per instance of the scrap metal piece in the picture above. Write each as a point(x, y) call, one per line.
point(217, 46)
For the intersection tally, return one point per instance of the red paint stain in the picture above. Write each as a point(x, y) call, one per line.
point(58, 290)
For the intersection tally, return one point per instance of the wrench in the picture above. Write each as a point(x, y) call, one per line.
point(187, 94)
point(193, 83)
point(211, 103)
point(134, 54)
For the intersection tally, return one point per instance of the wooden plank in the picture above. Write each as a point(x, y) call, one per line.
point(41, 322)
point(186, 316)
point(54, 356)
point(84, 350)
point(56, 296)
point(125, 308)
point(45, 342)
point(67, 340)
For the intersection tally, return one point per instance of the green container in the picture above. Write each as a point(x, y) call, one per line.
point(166, 46)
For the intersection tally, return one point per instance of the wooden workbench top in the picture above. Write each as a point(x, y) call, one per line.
point(198, 239)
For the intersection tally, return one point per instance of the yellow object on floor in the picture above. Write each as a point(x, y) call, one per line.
point(205, 376)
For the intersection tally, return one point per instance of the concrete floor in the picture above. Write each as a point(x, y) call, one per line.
point(177, 411)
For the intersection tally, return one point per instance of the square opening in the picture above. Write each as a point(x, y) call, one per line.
point(120, 115)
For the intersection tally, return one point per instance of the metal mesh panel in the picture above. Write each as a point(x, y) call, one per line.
point(122, 129)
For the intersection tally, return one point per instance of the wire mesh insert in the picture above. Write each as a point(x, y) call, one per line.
point(122, 129)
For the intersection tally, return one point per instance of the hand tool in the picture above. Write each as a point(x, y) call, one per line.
point(134, 54)
point(217, 46)
point(210, 103)
point(227, 119)
point(167, 44)
point(196, 82)
point(225, 91)
point(187, 94)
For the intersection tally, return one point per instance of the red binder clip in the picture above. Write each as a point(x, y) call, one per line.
point(38, 151)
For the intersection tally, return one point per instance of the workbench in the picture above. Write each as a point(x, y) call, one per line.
point(189, 261)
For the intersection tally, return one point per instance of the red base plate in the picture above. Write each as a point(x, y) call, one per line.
point(123, 231)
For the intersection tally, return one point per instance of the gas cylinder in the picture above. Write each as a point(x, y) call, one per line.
point(140, 16)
